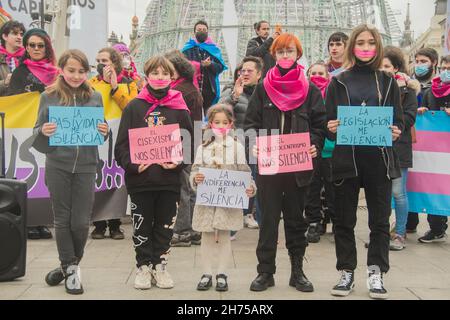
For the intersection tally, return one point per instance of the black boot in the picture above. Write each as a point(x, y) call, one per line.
point(262, 282)
point(298, 278)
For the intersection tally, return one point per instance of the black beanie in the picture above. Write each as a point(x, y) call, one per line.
point(33, 32)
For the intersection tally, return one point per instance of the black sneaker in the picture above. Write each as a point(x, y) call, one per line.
point(430, 237)
point(196, 238)
point(205, 283)
point(45, 232)
point(116, 234)
point(54, 277)
point(180, 240)
point(98, 234)
point(33, 233)
point(345, 285)
point(375, 285)
point(313, 234)
point(221, 283)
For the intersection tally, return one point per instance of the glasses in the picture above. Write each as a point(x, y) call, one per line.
point(288, 52)
point(244, 71)
point(36, 45)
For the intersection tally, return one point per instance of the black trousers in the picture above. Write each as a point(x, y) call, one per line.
point(113, 224)
point(321, 179)
point(277, 194)
point(438, 224)
point(153, 214)
point(372, 176)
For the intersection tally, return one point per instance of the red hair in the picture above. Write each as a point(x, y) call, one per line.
point(284, 41)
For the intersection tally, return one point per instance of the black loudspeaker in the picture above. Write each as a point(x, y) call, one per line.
point(13, 236)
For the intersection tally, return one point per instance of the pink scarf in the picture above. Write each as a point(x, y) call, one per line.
point(197, 72)
point(174, 100)
point(131, 74)
point(440, 89)
point(287, 92)
point(321, 83)
point(12, 56)
point(44, 70)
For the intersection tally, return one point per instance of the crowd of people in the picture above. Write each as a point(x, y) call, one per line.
point(271, 91)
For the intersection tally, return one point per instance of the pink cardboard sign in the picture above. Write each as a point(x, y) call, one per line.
point(284, 153)
point(161, 144)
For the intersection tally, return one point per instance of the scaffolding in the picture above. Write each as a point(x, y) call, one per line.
point(169, 23)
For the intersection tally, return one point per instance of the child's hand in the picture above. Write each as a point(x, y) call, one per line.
point(447, 111)
point(103, 129)
point(143, 167)
point(48, 129)
point(250, 191)
point(255, 151)
point(313, 151)
point(333, 125)
point(396, 132)
point(422, 110)
point(199, 178)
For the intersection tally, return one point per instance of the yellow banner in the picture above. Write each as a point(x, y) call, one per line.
point(21, 110)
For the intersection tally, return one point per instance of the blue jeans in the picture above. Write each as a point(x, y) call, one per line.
point(401, 202)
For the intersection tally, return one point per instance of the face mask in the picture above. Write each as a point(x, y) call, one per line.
point(220, 131)
point(159, 83)
point(100, 68)
point(126, 63)
point(286, 63)
point(201, 36)
point(361, 54)
point(319, 80)
point(445, 76)
point(422, 69)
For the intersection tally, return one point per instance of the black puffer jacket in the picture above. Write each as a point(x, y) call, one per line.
point(343, 161)
point(310, 117)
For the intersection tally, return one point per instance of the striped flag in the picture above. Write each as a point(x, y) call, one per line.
point(429, 180)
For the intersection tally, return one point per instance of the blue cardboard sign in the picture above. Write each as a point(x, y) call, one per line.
point(365, 126)
point(76, 126)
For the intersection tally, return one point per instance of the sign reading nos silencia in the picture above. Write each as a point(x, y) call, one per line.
point(365, 126)
point(284, 153)
point(76, 126)
point(224, 188)
point(161, 144)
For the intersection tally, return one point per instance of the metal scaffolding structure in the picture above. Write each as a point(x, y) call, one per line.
point(169, 23)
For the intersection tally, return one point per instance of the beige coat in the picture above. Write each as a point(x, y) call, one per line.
point(225, 154)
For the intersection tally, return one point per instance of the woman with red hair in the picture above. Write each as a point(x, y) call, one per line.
point(287, 103)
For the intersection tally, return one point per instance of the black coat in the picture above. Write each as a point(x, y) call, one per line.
point(155, 178)
point(343, 161)
point(403, 146)
point(433, 103)
point(22, 80)
point(309, 117)
point(257, 47)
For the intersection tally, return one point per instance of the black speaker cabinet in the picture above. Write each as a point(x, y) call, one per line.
point(13, 236)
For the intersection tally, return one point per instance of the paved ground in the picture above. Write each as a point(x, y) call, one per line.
point(419, 272)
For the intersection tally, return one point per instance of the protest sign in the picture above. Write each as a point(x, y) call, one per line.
point(224, 188)
point(365, 126)
point(160, 144)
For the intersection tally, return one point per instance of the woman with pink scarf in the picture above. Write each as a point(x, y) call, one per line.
point(37, 68)
point(286, 101)
point(36, 71)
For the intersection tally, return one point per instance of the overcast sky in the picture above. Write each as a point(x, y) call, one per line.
point(121, 12)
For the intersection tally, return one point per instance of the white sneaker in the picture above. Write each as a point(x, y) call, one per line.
point(375, 283)
point(250, 222)
point(143, 280)
point(162, 278)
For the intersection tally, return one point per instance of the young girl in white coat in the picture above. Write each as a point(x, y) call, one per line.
point(222, 151)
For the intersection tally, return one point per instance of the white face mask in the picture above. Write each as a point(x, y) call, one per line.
point(126, 62)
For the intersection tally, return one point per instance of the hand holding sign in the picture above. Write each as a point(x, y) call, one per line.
point(48, 129)
point(103, 129)
point(396, 132)
point(333, 126)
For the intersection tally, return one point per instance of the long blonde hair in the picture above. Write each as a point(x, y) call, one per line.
point(62, 89)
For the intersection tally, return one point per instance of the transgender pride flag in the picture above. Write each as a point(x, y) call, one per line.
point(429, 180)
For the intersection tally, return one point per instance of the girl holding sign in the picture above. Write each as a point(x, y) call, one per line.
point(288, 103)
point(154, 189)
point(221, 152)
point(69, 171)
point(370, 167)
